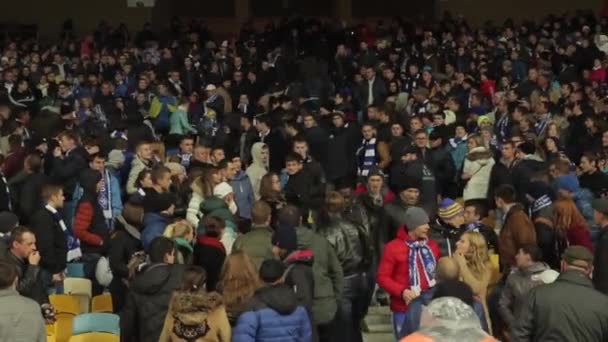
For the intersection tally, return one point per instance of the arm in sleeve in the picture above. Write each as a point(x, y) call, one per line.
point(385, 273)
point(133, 174)
point(335, 271)
point(115, 255)
point(305, 326)
point(193, 211)
point(48, 259)
point(523, 326)
point(116, 197)
point(82, 222)
point(524, 232)
point(246, 327)
point(505, 303)
point(26, 284)
point(128, 319)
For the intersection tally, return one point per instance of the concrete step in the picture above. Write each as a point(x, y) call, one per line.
point(380, 328)
point(378, 337)
point(379, 310)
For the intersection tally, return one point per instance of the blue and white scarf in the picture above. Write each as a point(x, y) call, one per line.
point(184, 159)
point(74, 251)
point(8, 192)
point(367, 156)
point(105, 196)
point(455, 141)
point(420, 250)
point(540, 203)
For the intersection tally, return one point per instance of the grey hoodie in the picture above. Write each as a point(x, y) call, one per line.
point(258, 168)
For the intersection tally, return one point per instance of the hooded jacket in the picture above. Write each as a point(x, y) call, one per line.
point(257, 169)
point(65, 171)
point(154, 226)
point(300, 278)
point(243, 194)
point(210, 253)
point(273, 315)
point(148, 302)
point(196, 317)
point(478, 164)
point(89, 222)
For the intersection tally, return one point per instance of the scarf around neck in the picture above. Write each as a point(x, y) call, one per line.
point(420, 250)
point(74, 251)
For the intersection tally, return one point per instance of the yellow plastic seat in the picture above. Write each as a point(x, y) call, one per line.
point(50, 338)
point(80, 287)
point(63, 327)
point(65, 304)
point(95, 337)
point(102, 303)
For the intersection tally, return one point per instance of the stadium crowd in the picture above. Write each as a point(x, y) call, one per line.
point(273, 187)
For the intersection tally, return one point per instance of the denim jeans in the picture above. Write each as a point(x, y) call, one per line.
point(398, 319)
point(352, 307)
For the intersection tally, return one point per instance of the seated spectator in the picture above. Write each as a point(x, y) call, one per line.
point(273, 312)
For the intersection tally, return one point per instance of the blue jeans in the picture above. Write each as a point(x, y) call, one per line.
point(398, 319)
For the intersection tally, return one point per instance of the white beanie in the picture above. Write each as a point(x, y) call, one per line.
point(222, 189)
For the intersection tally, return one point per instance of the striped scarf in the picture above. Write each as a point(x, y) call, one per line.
point(367, 156)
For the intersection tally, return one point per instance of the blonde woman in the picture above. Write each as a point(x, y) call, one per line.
point(475, 266)
point(183, 234)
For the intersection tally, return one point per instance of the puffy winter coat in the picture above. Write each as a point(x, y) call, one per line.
point(478, 164)
point(274, 315)
point(393, 271)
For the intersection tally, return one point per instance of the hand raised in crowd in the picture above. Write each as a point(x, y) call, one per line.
point(34, 258)
point(57, 152)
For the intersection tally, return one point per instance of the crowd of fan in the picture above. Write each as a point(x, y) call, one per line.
point(274, 186)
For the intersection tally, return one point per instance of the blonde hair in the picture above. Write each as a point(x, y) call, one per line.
point(238, 280)
point(178, 229)
point(477, 256)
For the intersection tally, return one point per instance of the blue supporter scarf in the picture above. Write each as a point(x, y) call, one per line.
point(420, 249)
point(74, 251)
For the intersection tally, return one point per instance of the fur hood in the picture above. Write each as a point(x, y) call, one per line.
point(192, 308)
point(479, 153)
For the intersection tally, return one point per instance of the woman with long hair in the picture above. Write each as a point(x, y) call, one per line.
point(270, 192)
point(570, 224)
point(194, 314)
point(238, 282)
point(202, 187)
point(475, 266)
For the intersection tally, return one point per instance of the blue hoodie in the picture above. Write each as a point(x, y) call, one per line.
point(243, 194)
point(154, 226)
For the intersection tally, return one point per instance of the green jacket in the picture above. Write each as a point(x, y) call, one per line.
point(327, 274)
point(179, 123)
point(256, 244)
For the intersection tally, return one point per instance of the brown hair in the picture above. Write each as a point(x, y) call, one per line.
point(238, 281)
point(566, 215)
point(335, 202)
point(49, 190)
point(266, 191)
point(213, 225)
point(8, 274)
point(260, 212)
point(193, 279)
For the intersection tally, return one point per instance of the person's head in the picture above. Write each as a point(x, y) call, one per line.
point(180, 229)
point(474, 211)
point(22, 242)
point(417, 223)
point(293, 163)
point(284, 241)
point(290, 215)
point(217, 155)
point(214, 226)
point(67, 140)
point(238, 280)
point(270, 186)
point(577, 258)
point(162, 250)
point(193, 279)
point(421, 139)
point(272, 272)
point(600, 211)
point(455, 288)
point(300, 146)
point(144, 151)
point(473, 246)
point(202, 153)
point(262, 123)
point(186, 145)
point(508, 151)
point(337, 119)
point(527, 255)
point(567, 185)
point(504, 195)
point(588, 162)
point(451, 212)
point(368, 131)
point(309, 120)
point(260, 213)
point(161, 177)
point(144, 179)
point(8, 275)
point(228, 169)
point(52, 194)
point(447, 269)
point(97, 162)
point(375, 182)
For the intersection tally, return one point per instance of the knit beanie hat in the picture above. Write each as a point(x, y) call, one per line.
point(157, 203)
point(116, 158)
point(448, 209)
point(285, 237)
point(403, 182)
point(271, 270)
point(222, 189)
point(415, 217)
point(567, 182)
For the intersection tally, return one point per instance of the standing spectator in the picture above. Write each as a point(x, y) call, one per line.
point(530, 272)
point(367, 153)
point(143, 160)
point(258, 167)
point(591, 177)
point(238, 282)
point(517, 229)
point(301, 188)
point(568, 309)
point(182, 233)
point(209, 252)
point(257, 242)
point(570, 225)
point(150, 293)
point(273, 312)
point(271, 194)
point(243, 190)
point(247, 139)
point(20, 317)
point(600, 269)
point(477, 170)
point(408, 264)
point(158, 212)
point(408, 190)
point(569, 188)
point(30, 188)
point(69, 160)
point(341, 164)
point(272, 137)
point(373, 90)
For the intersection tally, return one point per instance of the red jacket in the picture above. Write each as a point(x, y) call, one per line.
point(393, 271)
point(581, 236)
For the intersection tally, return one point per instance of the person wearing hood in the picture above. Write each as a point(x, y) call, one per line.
point(273, 314)
point(143, 160)
point(258, 167)
point(90, 224)
point(530, 272)
point(298, 262)
point(241, 185)
point(195, 314)
point(150, 293)
point(125, 241)
point(477, 169)
point(158, 211)
point(408, 264)
point(327, 273)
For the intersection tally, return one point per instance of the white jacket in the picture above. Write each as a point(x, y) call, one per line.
point(478, 164)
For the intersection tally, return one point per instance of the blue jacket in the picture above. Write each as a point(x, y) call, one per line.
point(154, 226)
point(414, 313)
point(273, 316)
point(583, 199)
point(243, 194)
point(458, 151)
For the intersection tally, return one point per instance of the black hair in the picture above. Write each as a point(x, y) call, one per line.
point(506, 192)
point(535, 253)
point(159, 247)
point(454, 288)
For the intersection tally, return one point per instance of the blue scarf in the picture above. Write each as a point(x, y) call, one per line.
point(420, 250)
point(105, 196)
point(74, 251)
point(367, 156)
point(540, 203)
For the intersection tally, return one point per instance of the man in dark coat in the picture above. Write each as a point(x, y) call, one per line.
point(69, 159)
point(569, 309)
point(273, 138)
point(150, 293)
point(27, 187)
point(301, 188)
point(341, 163)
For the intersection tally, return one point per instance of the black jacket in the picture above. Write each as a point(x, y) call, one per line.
point(29, 283)
point(277, 149)
point(596, 182)
point(317, 139)
point(303, 190)
point(123, 244)
point(5, 198)
point(148, 301)
point(66, 170)
point(350, 242)
point(501, 174)
point(600, 260)
point(417, 169)
point(29, 196)
point(441, 163)
point(51, 241)
point(567, 310)
point(299, 277)
point(371, 216)
point(209, 253)
point(341, 152)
